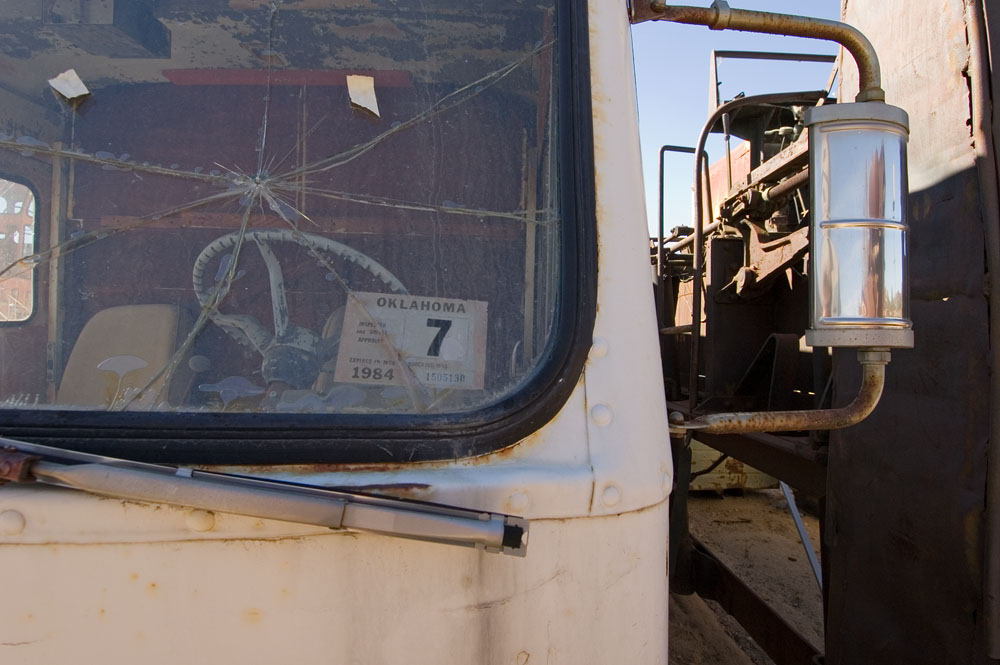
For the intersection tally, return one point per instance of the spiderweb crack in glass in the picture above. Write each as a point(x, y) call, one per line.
point(285, 188)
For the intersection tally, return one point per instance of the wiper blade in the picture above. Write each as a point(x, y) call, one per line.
point(23, 462)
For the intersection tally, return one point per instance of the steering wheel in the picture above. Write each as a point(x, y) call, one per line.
point(291, 354)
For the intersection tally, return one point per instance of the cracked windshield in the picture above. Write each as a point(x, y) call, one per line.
point(308, 206)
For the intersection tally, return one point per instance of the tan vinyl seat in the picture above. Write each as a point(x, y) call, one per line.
point(118, 352)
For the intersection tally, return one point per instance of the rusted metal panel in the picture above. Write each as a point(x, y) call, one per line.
point(735, 328)
point(992, 16)
point(906, 492)
point(724, 176)
point(769, 258)
point(907, 486)
point(784, 163)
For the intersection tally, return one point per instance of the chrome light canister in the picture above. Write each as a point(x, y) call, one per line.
point(859, 295)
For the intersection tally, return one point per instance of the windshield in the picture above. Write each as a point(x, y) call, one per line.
point(249, 206)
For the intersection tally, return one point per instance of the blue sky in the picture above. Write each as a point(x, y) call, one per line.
point(672, 79)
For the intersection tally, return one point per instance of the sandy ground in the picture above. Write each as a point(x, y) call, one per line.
point(755, 536)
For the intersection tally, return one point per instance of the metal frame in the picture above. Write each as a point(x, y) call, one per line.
point(715, 98)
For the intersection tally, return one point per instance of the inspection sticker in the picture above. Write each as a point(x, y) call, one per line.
point(441, 340)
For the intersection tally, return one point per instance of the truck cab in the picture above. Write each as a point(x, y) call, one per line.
point(388, 255)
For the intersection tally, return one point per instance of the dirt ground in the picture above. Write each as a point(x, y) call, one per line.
point(755, 536)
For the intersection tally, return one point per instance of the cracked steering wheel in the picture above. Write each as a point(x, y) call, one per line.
point(291, 354)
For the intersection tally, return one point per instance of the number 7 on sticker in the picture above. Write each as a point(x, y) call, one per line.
point(443, 326)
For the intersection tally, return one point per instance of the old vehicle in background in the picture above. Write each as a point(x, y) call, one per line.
point(907, 496)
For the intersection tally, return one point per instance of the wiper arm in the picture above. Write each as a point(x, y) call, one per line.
point(23, 462)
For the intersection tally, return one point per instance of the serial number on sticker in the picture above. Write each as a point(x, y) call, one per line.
point(444, 377)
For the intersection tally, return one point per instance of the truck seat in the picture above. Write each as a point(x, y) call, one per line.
point(117, 353)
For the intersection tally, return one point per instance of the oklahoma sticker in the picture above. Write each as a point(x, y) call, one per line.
point(441, 341)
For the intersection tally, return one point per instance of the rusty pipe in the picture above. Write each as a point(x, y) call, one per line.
point(687, 240)
point(720, 17)
point(873, 362)
point(786, 186)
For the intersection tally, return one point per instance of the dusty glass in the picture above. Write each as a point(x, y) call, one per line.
point(300, 206)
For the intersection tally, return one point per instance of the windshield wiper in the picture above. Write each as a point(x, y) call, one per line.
point(23, 462)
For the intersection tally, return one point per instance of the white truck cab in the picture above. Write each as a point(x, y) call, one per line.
point(394, 251)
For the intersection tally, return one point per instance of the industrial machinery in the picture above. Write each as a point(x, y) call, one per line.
point(760, 301)
point(328, 333)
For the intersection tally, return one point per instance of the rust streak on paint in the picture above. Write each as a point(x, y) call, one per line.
point(399, 490)
point(510, 452)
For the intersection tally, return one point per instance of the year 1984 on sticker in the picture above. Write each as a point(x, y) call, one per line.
point(442, 341)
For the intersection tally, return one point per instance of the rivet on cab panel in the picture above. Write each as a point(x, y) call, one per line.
point(601, 414)
point(200, 520)
point(518, 502)
point(611, 496)
point(12, 523)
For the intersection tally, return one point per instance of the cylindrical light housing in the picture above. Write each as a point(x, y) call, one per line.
point(859, 294)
